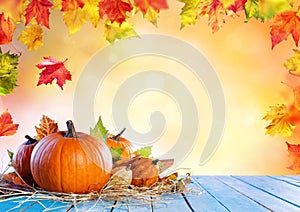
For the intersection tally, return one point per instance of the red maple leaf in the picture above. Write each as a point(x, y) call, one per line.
point(294, 155)
point(155, 4)
point(53, 69)
point(7, 127)
point(71, 4)
point(284, 24)
point(115, 9)
point(7, 28)
point(237, 6)
point(38, 9)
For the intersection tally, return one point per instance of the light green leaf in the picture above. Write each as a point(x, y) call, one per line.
point(189, 12)
point(99, 131)
point(116, 153)
point(145, 152)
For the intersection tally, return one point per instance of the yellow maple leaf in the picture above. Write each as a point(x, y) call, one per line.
point(293, 64)
point(278, 116)
point(32, 37)
point(114, 31)
point(75, 19)
point(57, 5)
point(151, 15)
point(92, 10)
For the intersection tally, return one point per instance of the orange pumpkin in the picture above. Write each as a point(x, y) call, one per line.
point(116, 141)
point(71, 162)
point(21, 159)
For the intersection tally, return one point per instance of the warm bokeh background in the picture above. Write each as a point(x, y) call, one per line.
point(250, 73)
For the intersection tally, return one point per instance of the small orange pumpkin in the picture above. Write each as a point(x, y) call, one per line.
point(116, 141)
point(21, 159)
point(71, 162)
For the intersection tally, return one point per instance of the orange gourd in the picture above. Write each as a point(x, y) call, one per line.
point(114, 141)
point(71, 162)
point(21, 159)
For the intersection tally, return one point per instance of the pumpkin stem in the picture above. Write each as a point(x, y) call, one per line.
point(116, 137)
point(155, 161)
point(71, 133)
point(30, 140)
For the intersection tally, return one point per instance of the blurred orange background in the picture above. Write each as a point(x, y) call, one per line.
point(240, 53)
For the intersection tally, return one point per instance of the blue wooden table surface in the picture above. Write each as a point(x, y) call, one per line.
point(206, 193)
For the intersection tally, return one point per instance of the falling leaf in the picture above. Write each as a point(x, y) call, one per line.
point(293, 64)
point(99, 131)
point(144, 152)
point(38, 9)
point(46, 127)
point(294, 155)
point(144, 5)
point(10, 156)
point(114, 31)
point(151, 15)
point(57, 5)
point(72, 4)
point(285, 24)
point(53, 69)
point(15, 9)
point(278, 116)
point(8, 72)
point(32, 37)
point(296, 91)
point(92, 10)
point(237, 5)
point(115, 10)
point(189, 12)
point(266, 9)
point(7, 28)
point(7, 127)
point(75, 19)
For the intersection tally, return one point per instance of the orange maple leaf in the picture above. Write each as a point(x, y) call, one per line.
point(46, 127)
point(155, 4)
point(294, 155)
point(115, 10)
point(38, 9)
point(7, 28)
point(53, 69)
point(7, 127)
point(285, 24)
point(71, 4)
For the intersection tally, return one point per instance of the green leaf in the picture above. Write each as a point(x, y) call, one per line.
point(8, 72)
point(189, 12)
point(115, 30)
point(266, 9)
point(99, 131)
point(116, 153)
point(145, 152)
point(10, 155)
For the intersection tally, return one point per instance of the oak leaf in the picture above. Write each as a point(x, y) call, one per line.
point(71, 4)
point(115, 10)
point(7, 127)
point(38, 9)
point(278, 116)
point(53, 69)
point(32, 37)
point(8, 72)
point(7, 28)
point(46, 127)
point(294, 155)
point(266, 9)
point(114, 31)
point(285, 24)
point(293, 63)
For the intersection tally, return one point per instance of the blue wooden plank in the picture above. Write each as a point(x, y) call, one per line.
point(279, 189)
point(287, 179)
point(263, 198)
point(230, 198)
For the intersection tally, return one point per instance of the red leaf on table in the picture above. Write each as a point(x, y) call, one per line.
point(7, 127)
point(53, 69)
point(71, 4)
point(294, 155)
point(285, 24)
point(237, 6)
point(38, 9)
point(155, 4)
point(7, 28)
point(115, 9)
